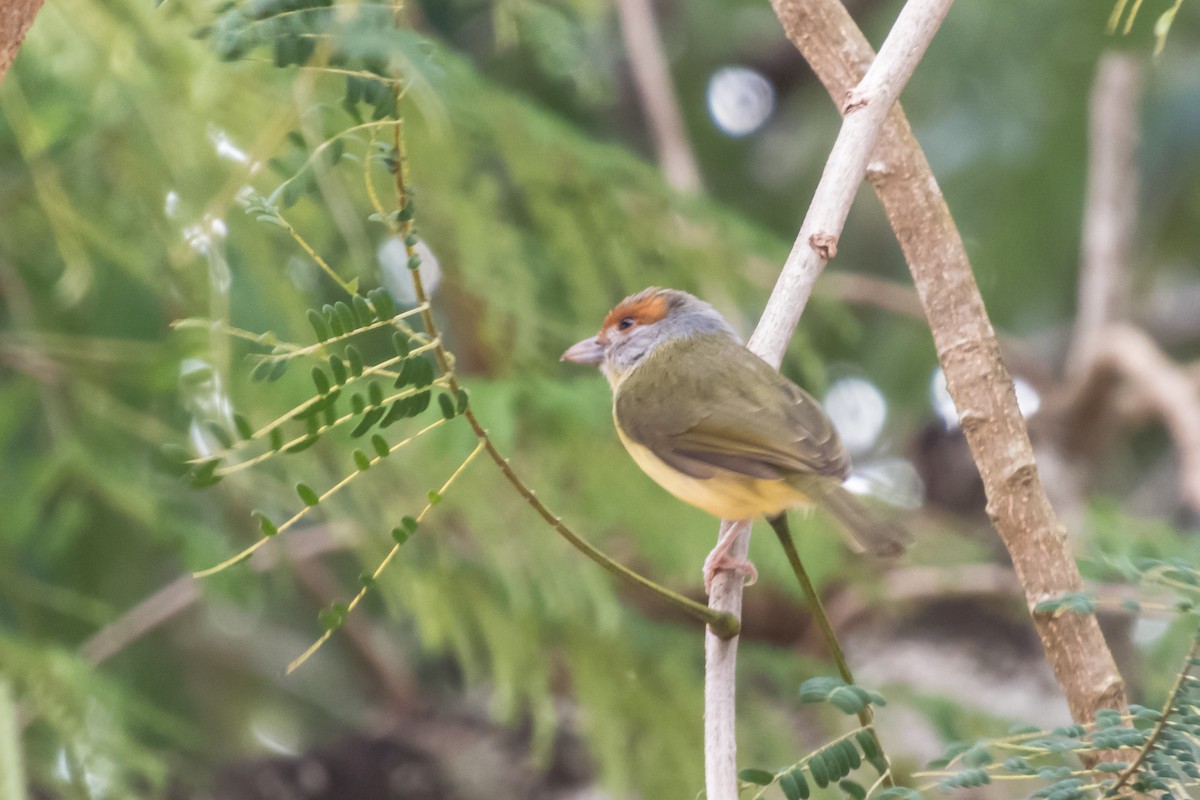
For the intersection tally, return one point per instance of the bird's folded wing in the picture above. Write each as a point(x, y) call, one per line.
point(708, 404)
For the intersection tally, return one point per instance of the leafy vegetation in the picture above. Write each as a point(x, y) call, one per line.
point(212, 350)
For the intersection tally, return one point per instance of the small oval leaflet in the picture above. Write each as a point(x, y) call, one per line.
point(400, 343)
point(381, 446)
point(319, 326)
point(260, 371)
point(420, 402)
point(303, 444)
point(759, 777)
point(307, 495)
point(320, 380)
point(244, 429)
point(790, 786)
point(362, 461)
point(382, 303)
point(404, 375)
point(448, 409)
point(204, 472)
point(797, 775)
point(852, 754)
point(333, 617)
point(219, 433)
point(338, 368)
point(853, 790)
point(333, 320)
point(345, 315)
point(367, 422)
point(265, 526)
point(398, 410)
point(816, 767)
point(422, 374)
point(354, 357)
point(362, 310)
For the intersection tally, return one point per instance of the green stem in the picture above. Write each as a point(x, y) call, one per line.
point(865, 717)
point(12, 773)
point(723, 624)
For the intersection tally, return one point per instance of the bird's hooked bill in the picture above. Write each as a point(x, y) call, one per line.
point(589, 351)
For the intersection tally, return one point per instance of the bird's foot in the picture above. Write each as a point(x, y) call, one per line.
point(725, 562)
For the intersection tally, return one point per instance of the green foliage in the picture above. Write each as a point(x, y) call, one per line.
point(826, 766)
point(525, 212)
point(848, 698)
point(1165, 748)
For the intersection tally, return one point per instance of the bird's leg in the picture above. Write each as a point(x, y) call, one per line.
point(720, 559)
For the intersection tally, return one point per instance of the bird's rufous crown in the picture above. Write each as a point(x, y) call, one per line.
point(645, 308)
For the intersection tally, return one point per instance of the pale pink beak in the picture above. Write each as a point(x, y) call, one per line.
point(589, 351)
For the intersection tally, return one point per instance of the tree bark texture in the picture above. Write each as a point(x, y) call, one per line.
point(966, 345)
point(15, 18)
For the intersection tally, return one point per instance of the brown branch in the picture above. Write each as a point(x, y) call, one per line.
point(1110, 210)
point(15, 18)
point(652, 79)
point(1128, 358)
point(182, 593)
point(969, 354)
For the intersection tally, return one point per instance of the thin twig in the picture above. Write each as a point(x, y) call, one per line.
point(866, 109)
point(1164, 386)
point(652, 79)
point(1110, 210)
point(865, 716)
point(726, 625)
point(180, 594)
point(1180, 679)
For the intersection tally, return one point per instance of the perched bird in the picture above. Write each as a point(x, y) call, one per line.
point(720, 428)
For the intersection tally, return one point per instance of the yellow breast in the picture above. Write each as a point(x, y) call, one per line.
point(727, 495)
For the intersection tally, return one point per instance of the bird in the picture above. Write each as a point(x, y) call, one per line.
point(720, 428)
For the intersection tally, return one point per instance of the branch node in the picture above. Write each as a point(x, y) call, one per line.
point(1021, 476)
point(825, 245)
point(878, 170)
point(855, 101)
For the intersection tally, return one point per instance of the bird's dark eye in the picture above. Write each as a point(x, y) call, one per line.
point(625, 324)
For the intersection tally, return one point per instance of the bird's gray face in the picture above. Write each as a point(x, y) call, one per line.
point(639, 324)
point(617, 349)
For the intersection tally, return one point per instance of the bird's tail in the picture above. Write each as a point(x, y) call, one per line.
point(867, 529)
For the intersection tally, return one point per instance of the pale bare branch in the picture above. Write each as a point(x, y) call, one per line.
point(866, 108)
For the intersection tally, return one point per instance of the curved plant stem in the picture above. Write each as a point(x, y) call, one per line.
point(1184, 671)
point(780, 525)
point(722, 624)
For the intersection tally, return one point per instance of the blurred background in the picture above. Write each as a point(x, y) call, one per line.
point(495, 661)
